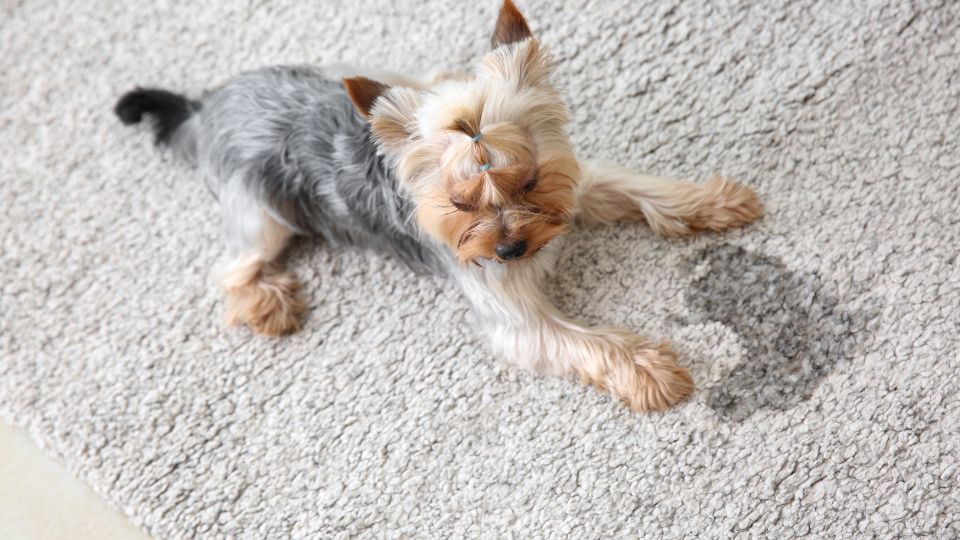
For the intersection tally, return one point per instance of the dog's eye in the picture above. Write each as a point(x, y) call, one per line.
point(462, 206)
point(532, 183)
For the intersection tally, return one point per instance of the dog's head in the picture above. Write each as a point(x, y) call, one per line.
point(487, 160)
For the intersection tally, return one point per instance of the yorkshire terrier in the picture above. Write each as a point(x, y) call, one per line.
point(471, 176)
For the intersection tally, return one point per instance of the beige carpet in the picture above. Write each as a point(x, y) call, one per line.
point(40, 500)
point(823, 340)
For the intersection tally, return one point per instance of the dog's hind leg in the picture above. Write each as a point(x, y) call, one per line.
point(260, 293)
point(609, 193)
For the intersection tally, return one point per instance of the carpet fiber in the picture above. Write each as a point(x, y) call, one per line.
point(823, 339)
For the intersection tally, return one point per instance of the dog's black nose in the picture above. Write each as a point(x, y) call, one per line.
point(509, 251)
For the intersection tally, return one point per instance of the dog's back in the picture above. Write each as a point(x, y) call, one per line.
point(290, 138)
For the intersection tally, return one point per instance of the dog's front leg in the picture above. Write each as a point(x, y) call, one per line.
point(525, 328)
point(609, 193)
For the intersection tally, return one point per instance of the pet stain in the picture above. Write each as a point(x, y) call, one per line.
point(793, 330)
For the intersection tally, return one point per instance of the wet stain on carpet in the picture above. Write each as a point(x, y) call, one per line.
point(794, 330)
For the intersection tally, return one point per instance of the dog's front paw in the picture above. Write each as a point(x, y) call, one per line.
point(725, 204)
point(651, 380)
point(270, 304)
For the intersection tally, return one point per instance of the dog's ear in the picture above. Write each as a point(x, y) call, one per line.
point(364, 93)
point(511, 26)
point(391, 111)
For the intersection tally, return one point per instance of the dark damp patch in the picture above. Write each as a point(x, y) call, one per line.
point(793, 329)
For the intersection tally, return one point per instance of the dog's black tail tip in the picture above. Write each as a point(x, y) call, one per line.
point(130, 107)
point(167, 109)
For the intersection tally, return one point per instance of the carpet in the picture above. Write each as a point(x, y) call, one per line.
point(822, 339)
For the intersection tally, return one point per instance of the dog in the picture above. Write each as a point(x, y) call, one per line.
point(470, 176)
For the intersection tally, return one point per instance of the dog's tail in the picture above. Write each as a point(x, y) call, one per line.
point(169, 114)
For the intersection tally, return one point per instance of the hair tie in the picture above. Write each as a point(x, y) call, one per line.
point(477, 137)
point(484, 167)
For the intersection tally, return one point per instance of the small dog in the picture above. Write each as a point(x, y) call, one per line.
point(470, 176)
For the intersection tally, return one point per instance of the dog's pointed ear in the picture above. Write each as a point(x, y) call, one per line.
point(394, 125)
point(511, 26)
point(364, 93)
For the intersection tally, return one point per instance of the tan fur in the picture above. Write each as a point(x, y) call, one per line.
point(642, 374)
point(525, 328)
point(724, 204)
point(472, 210)
point(671, 208)
point(269, 303)
point(488, 161)
point(430, 136)
point(528, 64)
point(259, 293)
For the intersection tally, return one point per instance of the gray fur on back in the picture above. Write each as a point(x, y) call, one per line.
point(294, 140)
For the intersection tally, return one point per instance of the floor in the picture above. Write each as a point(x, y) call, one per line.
point(41, 500)
point(822, 339)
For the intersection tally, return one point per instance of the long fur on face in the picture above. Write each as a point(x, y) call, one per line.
point(486, 160)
